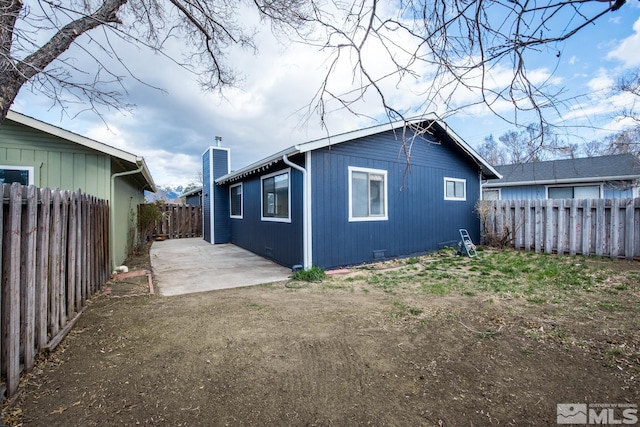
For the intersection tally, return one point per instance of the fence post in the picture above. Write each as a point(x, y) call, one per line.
point(30, 278)
point(629, 228)
point(11, 290)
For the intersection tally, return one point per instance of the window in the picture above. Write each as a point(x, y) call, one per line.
point(21, 174)
point(578, 192)
point(455, 189)
point(235, 201)
point(276, 197)
point(493, 194)
point(367, 194)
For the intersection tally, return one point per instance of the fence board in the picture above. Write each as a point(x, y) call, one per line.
point(602, 227)
point(30, 277)
point(49, 239)
point(178, 221)
point(11, 290)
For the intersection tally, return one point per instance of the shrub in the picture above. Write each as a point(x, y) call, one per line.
point(314, 274)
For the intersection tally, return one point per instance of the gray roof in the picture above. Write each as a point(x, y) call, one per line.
point(589, 169)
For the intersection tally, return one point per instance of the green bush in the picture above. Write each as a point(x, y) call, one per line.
point(314, 274)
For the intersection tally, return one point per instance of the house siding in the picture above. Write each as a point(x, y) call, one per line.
point(215, 200)
point(419, 219)
point(524, 192)
point(278, 241)
point(222, 226)
point(531, 192)
point(206, 201)
point(57, 163)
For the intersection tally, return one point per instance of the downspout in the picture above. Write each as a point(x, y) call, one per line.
point(306, 208)
point(113, 207)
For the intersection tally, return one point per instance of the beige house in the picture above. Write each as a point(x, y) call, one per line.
point(36, 153)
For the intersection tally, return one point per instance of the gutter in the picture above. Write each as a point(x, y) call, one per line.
point(112, 219)
point(306, 207)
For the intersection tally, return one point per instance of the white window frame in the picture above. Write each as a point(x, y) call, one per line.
point(499, 190)
point(21, 168)
point(600, 189)
point(262, 178)
point(231, 187)
point(382, 172)
point(455, 199)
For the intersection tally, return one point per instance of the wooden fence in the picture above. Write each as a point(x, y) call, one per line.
point(55, 255)
point(179, 221)
point(602, 227)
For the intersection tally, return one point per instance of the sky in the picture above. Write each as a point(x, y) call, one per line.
point(173, 120)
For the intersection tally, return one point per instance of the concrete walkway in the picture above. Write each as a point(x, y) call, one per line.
point(183, 266)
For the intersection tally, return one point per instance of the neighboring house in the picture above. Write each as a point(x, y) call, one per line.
point(614, 176)
point(348, 199)
point(193, 197)
point(36, 153)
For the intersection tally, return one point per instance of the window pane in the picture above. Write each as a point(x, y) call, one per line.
point(451, 192)
point(236, 200)
point(282, 196)
point(587, 192)
point(459, 189)
point(376, 194)
point(490, 194)
point(561, 192)
point(359, 194)
point(268, 197)
point(8, 176)
point(275, 196)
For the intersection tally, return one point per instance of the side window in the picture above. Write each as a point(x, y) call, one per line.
point(276, 197)
point(21, 174)
point(235, 200)
point(455, 189)
point(367, 194)
point(491, 194)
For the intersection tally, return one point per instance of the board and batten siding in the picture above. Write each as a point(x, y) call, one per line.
point(215, 199)
point(419, 218)
point(56, 162)
point(523, 192)
point(280, 242)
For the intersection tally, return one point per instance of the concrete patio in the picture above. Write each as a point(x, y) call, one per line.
point(184, 266)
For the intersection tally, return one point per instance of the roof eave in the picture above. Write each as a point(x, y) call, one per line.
point(86, 142)
point(252, 168)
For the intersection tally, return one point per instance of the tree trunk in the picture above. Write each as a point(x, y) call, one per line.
point(14, 73)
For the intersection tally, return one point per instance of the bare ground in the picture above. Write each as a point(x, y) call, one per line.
point(340, 352)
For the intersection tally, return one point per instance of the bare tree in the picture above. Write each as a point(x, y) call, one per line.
point(630, 84)
point(492, 152)
point(209, 28)
point(444, 46)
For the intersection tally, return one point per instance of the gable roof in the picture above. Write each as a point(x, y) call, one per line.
point(615, 167)
point(124, 156)
point(432, 124)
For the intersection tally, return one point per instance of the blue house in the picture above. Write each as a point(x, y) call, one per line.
point(601, 177)
point(388, 191)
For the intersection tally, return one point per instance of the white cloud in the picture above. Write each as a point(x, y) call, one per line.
point(627, 50)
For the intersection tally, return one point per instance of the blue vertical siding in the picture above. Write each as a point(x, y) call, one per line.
point(221, 223)
point(420, 219)
point(525, 192)
point(278, 241)
point(206, 197)
point(215, 201)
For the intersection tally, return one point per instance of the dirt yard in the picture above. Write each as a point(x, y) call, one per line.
point(357, 349)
